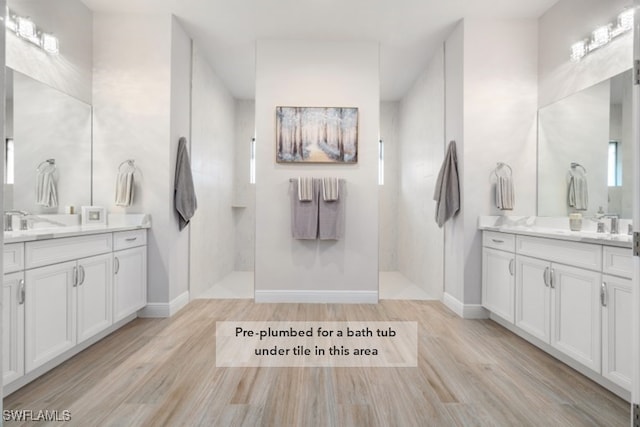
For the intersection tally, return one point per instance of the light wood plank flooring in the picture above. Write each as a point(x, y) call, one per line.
point(470, 373)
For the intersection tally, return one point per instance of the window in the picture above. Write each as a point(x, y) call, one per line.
point(380, 162)
point(614, 175)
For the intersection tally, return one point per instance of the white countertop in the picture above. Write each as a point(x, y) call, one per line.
point(114, 223)
point(553, 229)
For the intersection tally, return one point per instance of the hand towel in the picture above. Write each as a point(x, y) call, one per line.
point(331, 215)
point(504, 193)
point(185, 201)
point(305, 189)
point(578, 193)
point(124, 188)
point(330, 189)
point(46, 192)
point(304, 214)
point(447, 191)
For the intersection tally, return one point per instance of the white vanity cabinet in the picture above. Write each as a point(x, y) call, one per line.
point(571, 298)
point(68, 301)
point(498, 274)
point(130, 273)
point(12, 327)
point(63, 294)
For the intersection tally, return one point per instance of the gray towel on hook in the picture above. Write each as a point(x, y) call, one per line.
point(185, 196)
point(447, 192)
point(304, 214)
point(331, 215)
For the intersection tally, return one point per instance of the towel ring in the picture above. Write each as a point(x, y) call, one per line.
point(50, 162)
point(501, 165)
point(578, 165)
point(130, 163)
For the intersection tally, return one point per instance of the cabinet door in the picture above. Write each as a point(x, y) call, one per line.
point(575, 314)
point(95, 283)
point(616, 330)
point(533, 297)
point(130, 281)
point(50, 313)
point(12, 327)
point(498, 282)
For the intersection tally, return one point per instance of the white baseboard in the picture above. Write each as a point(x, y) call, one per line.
point(165, 309)
point(317, 297)
point(466, 311)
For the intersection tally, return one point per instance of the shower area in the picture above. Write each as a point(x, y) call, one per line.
point(412, 148)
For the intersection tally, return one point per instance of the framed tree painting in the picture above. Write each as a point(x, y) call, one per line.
point(316, 135)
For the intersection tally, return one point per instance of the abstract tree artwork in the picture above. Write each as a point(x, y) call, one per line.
point(316, 135)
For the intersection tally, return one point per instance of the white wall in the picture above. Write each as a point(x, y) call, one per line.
point(244, 214)
point(566, 23)
point(454, 131)
point(388, 193)
point(137, 86)
point(305, 73)
point(71, 22)
point(499, 105)
point(212, 233)
point(420, 240)
point(180, 127)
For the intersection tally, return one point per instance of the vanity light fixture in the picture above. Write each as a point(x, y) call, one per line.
point(49, 43)
point(26, 29)
point(601, 36)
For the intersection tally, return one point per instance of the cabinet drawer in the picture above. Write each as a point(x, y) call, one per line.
point(129, 239)
point(577, 254)
point(52, 251)
point(13, 258)
point(502, 241)
point(617, 261)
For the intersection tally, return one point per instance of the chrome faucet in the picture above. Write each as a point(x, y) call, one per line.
point(614, 222)
point(8, 219)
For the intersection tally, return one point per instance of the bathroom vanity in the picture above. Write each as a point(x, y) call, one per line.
point(66, 288)
point(568, 293)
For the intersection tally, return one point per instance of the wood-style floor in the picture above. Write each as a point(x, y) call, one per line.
point(470, 373)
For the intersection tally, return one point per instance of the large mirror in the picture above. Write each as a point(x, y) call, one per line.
point(47, 148)
point(584, 151)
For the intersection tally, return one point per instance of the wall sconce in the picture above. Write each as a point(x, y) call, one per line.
point(601, 36)
point(26, 29)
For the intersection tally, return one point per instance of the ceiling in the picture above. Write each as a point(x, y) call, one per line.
point(408, 31)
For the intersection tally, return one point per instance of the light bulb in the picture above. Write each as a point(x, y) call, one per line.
point(26, 28)
point(578, 50)
point(625, 20)
point(600, 37)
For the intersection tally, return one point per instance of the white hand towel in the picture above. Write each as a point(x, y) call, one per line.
point(505, 193)
point(124, 188)
point(330, 189)
point(305, 189)
point(46, 193)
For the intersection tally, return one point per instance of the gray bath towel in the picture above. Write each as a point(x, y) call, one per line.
point(331, 216)
point(304, 215)
point(185, 196)
point(447, 192)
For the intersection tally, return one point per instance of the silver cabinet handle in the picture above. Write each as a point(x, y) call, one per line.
point(551, 274)
point(131, 239)
point(75, 276)
point(117, 262)
point(497, 241)
point(545, 276)
point(603, 294)
point(82, 275)
point(21, 293)
point(511, 266)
